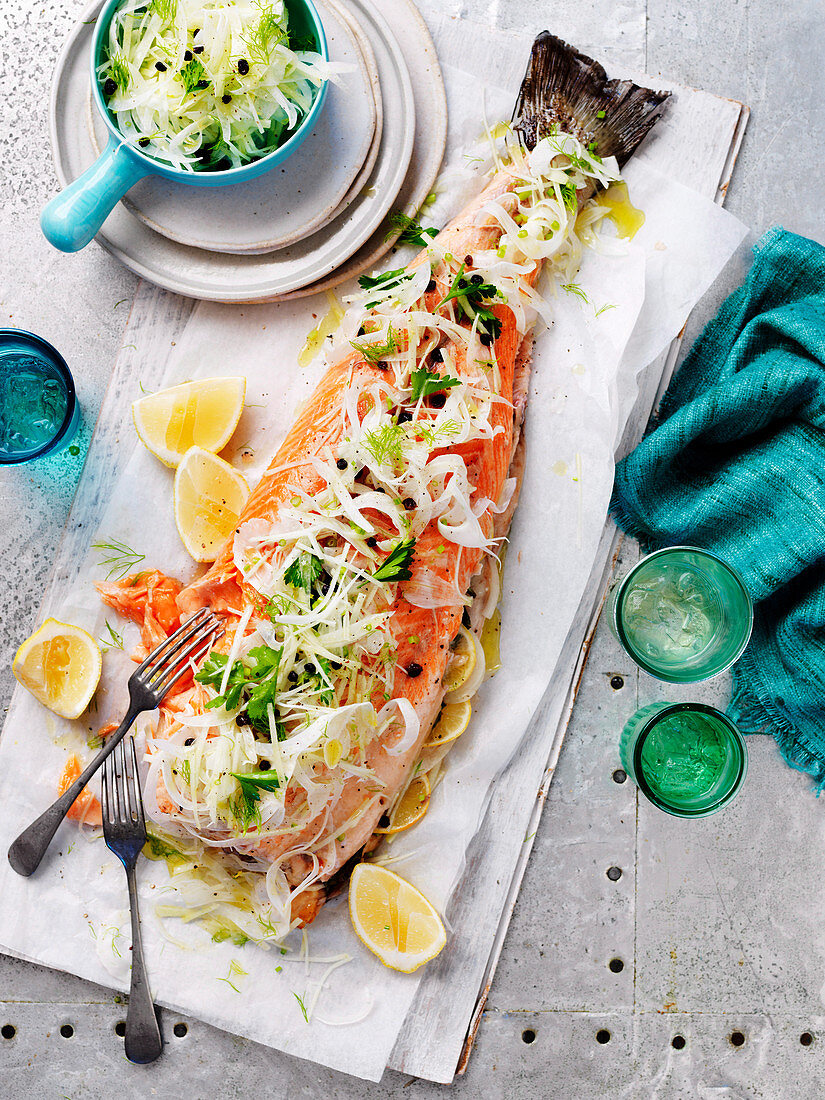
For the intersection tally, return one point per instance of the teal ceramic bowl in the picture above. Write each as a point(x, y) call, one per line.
point(74, 217)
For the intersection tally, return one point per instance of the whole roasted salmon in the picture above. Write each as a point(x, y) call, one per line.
point(373, 535)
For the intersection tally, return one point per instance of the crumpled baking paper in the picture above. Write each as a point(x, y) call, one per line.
point(581, 392)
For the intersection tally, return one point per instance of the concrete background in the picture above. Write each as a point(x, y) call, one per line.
point(699, 972)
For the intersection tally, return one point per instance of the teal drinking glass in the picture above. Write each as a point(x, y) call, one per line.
point(688, 759)
point(39, 413)
point(682, 614)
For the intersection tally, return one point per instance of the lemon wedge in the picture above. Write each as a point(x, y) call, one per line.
point(393, 919)
point(209, 496)
point(195, 414)
point(410, 808)
point(60, 665)
point(462, 662)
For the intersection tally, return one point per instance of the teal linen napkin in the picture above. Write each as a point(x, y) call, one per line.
point(736, 464)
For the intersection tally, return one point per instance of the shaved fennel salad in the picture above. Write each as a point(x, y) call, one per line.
point(208, 85)
point(296, 703)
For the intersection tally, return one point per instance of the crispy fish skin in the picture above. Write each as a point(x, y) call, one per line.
point(561, 86)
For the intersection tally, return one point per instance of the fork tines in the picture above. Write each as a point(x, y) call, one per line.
point(172, 658)
point(121, 800)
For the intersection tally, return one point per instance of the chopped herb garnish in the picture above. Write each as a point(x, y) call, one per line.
point(166, 9)
point(469, 296)
point(574, 288)
point(374, 353)
point(568, 195)
point(303, 1006)
point(386, 442)
point(265, 781)
point(114, 640)
point(119, 72)
point(425, 382)
point(155, 848)
point(411, 232)
point(304, 572)
point(121, 558)
point(267, 33)
point(251, 686)
point(194, 76)
point(396, 565)
point(370, 282)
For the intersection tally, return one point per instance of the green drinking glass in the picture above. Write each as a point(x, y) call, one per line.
point(688, 759)
point(682, 614)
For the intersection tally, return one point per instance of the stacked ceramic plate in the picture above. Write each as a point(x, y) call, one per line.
point(310, 223)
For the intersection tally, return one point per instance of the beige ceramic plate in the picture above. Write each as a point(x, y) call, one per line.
point(278, 208)
point(220, 277)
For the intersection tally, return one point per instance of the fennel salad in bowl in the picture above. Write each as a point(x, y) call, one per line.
point(203, 92)
point(208, 86)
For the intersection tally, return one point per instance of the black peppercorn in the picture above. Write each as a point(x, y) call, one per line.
point(372, 542)
point(310, 668)
point(438, 401)
point(436, 355)
point(226, 98)
point(462, 284)
point(468, 261)
point(242, 719)
point(408, 503)
point(476, 280)
point(264, 766)
point(187, 56)
point(335, 665)
point(161, 68)
point(431, 286)
point(243, 66)
point(143, 142)
point(189, 741)
point(413, 669)
point(196, 32)
point(342, 464)
point(382, 365)
point(404, 416)
point(485, 338)
point(109, 88)
point(292, 677)
point(197, 49)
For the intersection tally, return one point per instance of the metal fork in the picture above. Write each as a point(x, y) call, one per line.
point(124, 830)
point(148, 685)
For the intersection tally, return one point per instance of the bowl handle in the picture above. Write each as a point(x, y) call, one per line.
point(75, 216)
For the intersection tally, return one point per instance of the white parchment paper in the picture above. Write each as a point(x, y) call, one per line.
point(70, 915)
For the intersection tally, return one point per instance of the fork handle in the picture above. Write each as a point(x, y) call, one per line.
point(27, 851)
point(143, 1042)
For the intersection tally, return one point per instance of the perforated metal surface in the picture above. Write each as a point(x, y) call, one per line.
point(718, 924)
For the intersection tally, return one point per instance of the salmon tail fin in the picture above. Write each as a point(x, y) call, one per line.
point(563, 89)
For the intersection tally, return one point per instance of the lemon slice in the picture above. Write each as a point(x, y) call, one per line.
point(393, 919)
point(60, 665)
point(195, 414)
point(462, 663)
point(209, 496)
point(410, 808)
point(452, 722)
